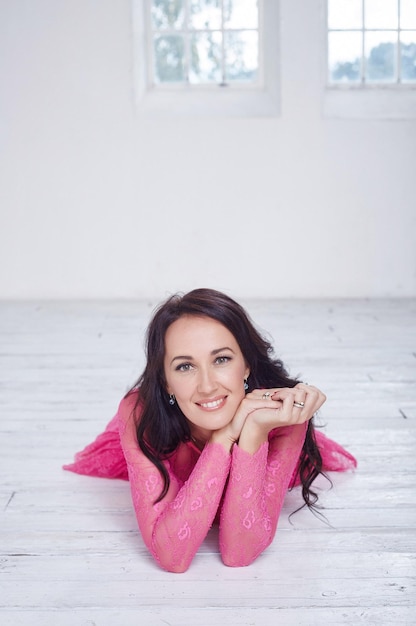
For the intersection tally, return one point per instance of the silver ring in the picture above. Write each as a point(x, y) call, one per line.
point(299, 405)
point(266, 395)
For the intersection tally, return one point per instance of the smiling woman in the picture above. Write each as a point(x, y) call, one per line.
point(214, 429)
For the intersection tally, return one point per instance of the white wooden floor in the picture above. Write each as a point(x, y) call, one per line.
point(70, 552)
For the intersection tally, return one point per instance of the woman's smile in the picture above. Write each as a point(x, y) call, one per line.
point(212, 405)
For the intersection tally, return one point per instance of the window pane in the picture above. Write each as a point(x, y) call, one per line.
point(344, 54)
point(240, 13)
point(408, 56)
point(380, 52)
point(381, 13)
point(345, 14)
point(205, 64)
point(241, 55)
point(169, 55)
point(408, 14)
point(168, 13)
point(205, 14)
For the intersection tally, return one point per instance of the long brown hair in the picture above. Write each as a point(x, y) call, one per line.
point(161, 428)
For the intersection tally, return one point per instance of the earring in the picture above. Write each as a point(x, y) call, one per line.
point(245, 384)
point(171, 399)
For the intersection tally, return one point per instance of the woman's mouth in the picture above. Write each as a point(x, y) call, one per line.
point(211, 405)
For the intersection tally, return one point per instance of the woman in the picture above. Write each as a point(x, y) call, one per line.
point(214, 429)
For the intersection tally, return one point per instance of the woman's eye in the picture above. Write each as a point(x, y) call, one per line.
point(222, 359)
point(184, 367)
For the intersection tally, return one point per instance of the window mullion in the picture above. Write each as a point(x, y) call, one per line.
point(363, 57)
point(398, 51)
point(187, 43)
point(223, 82)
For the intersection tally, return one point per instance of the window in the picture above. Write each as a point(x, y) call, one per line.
point(209, 57)
point(204, 42)
point(371, 42)
point(371, 59)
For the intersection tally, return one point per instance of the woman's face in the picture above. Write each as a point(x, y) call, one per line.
point(205, 370)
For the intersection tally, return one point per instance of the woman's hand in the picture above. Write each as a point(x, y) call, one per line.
point(251, 402)
point(284, 407)
point(264, 409)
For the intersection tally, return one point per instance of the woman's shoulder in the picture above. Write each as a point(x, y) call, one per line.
point(131, 399)
point(127, 409)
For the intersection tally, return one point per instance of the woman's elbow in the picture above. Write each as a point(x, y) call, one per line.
point(240, 560)
point(171, 562)
point(243, 556)
point(175, 568)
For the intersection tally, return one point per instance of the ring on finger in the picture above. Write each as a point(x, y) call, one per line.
point(266, 395)
point(299, 405)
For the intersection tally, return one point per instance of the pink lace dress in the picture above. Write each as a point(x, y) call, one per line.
point(243, 492)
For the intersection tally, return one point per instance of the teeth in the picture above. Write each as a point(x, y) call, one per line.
point(211, 405)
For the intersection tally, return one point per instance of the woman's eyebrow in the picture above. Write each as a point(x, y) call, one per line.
point(214, 352)
point(185, 357)
point(181, 358)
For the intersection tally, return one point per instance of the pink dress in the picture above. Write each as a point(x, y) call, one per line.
point(243, 492)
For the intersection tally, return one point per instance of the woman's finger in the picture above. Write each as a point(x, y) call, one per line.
point(302, 400)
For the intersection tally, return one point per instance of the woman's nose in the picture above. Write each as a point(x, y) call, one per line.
point(206, 381)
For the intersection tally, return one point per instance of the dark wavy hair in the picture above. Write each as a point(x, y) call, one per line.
point(161, 428)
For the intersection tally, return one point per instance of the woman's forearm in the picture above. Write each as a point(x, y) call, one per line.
point(255, 493)
point(174, 528)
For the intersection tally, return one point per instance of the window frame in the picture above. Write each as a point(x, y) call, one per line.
point(236, 100)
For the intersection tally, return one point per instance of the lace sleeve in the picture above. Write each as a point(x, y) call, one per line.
point(255, 493)
point(174, 528)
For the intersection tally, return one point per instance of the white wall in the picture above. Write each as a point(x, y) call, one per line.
point(98, 200)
